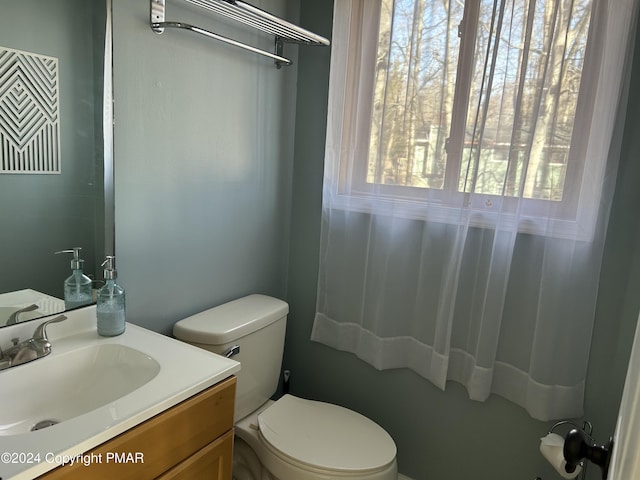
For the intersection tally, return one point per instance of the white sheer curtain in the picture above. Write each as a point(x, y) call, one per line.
point(492, 285)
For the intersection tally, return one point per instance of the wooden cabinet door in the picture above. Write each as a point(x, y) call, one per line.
point(213, 462)
point(162, 442)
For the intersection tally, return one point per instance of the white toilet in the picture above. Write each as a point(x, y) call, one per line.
point(291, 438)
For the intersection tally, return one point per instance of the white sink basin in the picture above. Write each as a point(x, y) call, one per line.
point(46, 392)
point(94, 387)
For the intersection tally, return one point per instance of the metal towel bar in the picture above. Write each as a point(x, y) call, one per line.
point(283, 31)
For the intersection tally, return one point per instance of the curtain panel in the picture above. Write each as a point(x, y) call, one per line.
point(490, 285)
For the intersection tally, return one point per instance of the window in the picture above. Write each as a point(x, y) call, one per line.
point(486, 103)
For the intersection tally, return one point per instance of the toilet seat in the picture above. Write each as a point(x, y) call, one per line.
point(325, 437)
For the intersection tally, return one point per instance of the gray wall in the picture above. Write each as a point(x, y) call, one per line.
point(444, 435)
point(42, 213)
point(619, 294)
point(203, 160)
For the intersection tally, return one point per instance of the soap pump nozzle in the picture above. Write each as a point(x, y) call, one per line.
point(76, 263)
point(109, 271)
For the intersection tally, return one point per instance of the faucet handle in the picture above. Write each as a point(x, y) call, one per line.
point(41, 334)
point(13, 318)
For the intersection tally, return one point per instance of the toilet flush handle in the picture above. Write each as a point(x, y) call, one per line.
point(232, 351)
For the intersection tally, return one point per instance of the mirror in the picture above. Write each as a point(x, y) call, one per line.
point(52, 150)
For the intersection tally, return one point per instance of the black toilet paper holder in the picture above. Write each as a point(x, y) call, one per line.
point(579, 446)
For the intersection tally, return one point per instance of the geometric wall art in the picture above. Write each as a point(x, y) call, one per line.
point(29, 113)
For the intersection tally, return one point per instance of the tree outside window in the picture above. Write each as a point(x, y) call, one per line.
point(478, 97)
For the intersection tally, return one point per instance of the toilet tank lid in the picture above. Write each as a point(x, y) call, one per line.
point(230, 321)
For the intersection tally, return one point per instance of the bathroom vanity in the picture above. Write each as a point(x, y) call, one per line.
point(139, 405)
point(192, 440)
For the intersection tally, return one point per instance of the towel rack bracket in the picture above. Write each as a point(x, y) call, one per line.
point(157, 15)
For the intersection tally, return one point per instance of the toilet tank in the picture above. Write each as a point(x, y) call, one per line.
point(256, 324)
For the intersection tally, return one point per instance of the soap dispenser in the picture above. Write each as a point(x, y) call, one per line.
point(77, 288)
point(110, 307)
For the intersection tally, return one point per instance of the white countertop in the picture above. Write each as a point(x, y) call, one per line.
point(184, 371)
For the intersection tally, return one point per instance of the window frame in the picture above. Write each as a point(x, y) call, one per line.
point(572, 217)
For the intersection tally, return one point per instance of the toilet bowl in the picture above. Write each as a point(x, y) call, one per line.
point(291, 438)
point(307, 440)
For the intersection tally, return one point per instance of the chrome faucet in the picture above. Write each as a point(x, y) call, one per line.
point(13, 318)
point(36, 347)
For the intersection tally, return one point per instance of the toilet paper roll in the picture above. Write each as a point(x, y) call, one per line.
point(551, 448)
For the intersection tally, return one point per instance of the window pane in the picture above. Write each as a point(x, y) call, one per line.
point(413, 93)
point(526, 78)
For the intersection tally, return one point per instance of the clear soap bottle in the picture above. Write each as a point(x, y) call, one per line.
point(77, 287)
point(110, 306)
